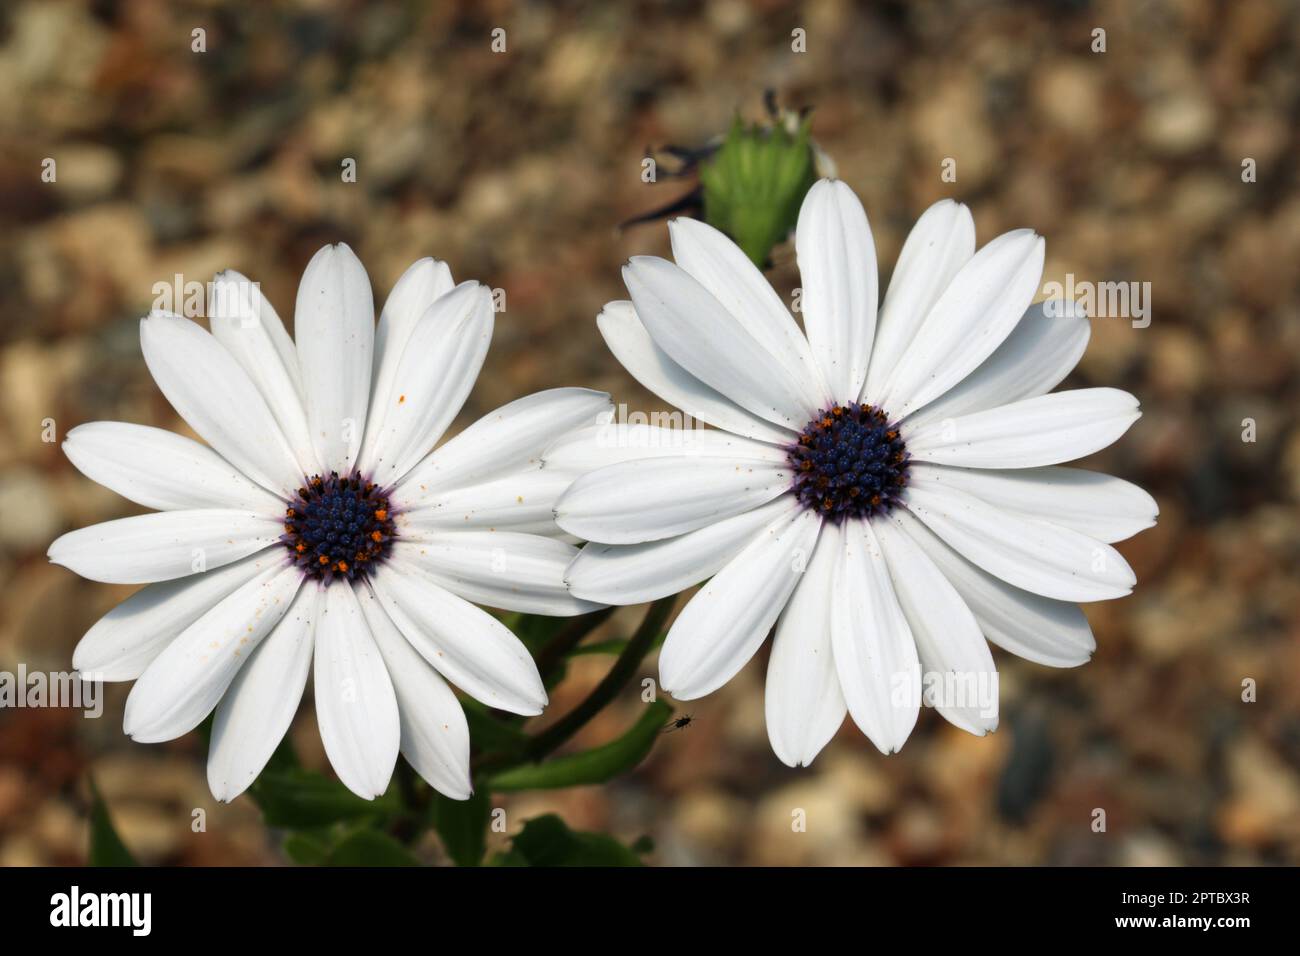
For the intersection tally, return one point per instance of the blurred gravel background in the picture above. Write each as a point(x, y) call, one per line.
point(515, 168)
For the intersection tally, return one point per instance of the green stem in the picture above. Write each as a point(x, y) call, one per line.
point(408, 826)
point(553, 653)
point(623, 670)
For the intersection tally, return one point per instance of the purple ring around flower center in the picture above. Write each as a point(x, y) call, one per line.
point(849, 462)
point(338, 527)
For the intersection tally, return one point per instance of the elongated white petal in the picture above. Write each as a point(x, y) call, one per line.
point(502, 442)
point(503, 569)
point(1042, 349)
point(162, 470)
point(1053, 633)
point(1100, 506)
point(959, 676)
point(875, 655)
point(523, 501)
point(725, 622)
point(334, 327)
point(162, 546)
point(417, 288)
point(701, 336)
point(434, 732)
point(122, 643)
point(236, 298)
point(837, 270)
point(941, 242)
point(1034, 555)
point(975, 313)
point(650, 365)
point(718, 264)
point(243, 321)
point(595, 446)
point(1045, 430)
point(434, 377)
point(653, 498)
point(466, 644)
point(356, 707)
point(186, 680)
point(637, 573)
point(209, 389)
point(803, 700)
point(257, 709)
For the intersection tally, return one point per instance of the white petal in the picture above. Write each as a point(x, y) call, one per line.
point(123, 642)
point(523, 501)
point(415, 290)
point(595, 446)
point(725, 622)
point(356, 707)
point(875, 655)
point(1034, 555)
point(701, 336)
point(502, 569)
point(257, 709)
point(434, 376)
point(653, 498)
point(1100, 506)
point(961, 681)
point(334, 327)
point(1053, 633)
point(720, 266)
point(165, 545)
point(466, 644)
point(1035, 358)
point(1045, 430)
point(235, 298)
point(422, 283)
point(244, 322)
point(803, 700)
point(637, 573)
point(837, 270)
point(941, 242)
point(435, 734)
point(972, 317)
point(186, 680)
point(216, 397)
point(503, 441)
point(162, 470)
point(650, 365)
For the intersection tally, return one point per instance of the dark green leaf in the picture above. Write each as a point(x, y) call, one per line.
point(589, 766)
point(106, 847)
point(534, 629)
point(302, 799)
point(369, 848)
point(462, 826)
point(487, 732)
point(548, 841)
point(309, 848)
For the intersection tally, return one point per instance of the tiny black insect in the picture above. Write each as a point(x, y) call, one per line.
point(681, 723)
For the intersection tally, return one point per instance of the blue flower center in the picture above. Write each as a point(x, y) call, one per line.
point(849, 462)
point(338, 527)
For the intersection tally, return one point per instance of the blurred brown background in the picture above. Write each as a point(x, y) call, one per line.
point(515, 168)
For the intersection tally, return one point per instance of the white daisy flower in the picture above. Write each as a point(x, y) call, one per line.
point(319, 527)
point(882, 487)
